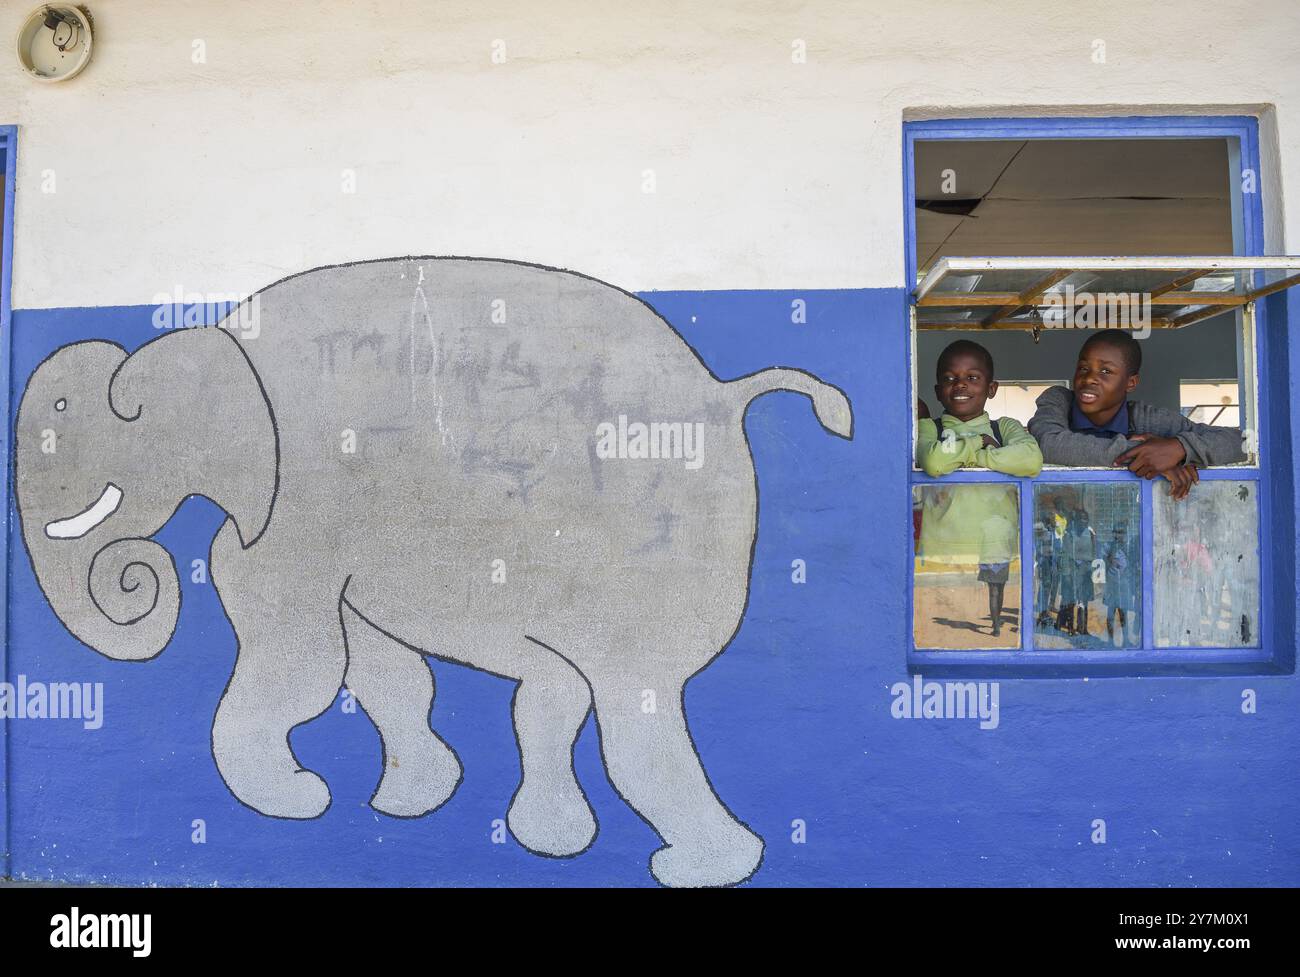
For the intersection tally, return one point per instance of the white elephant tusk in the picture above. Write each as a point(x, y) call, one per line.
point(74, 527)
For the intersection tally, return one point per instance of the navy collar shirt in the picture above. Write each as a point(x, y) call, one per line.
point(1118, 424)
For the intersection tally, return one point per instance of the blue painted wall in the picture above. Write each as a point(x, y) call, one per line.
point(793, 721)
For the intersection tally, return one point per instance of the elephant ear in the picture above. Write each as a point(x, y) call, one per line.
point(202, 416)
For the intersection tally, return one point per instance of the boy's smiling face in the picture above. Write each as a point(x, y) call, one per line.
point(1102, 382)
point(964, 385)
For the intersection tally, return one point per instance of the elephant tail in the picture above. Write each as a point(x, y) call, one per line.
point(829, 402)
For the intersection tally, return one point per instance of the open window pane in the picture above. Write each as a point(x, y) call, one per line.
point(1087, 565)
point(991, 280)
point(1167, 281)
point(1142, 294)
point(967, 566)
point(1198, 365)
point(1028, 246)
point(1207, 566)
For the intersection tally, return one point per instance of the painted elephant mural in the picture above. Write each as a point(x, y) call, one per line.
point(506, 466)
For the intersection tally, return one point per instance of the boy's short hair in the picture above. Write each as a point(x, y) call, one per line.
point(1130, 349)
point(964, 346)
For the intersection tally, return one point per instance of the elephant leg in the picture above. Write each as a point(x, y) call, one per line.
point(654, 766)
point(288, 671)
point(395, 687)
point(549, 814)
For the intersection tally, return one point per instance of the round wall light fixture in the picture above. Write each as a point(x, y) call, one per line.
point(54, 42)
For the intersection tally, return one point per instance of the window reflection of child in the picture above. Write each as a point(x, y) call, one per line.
point(1079, 549)
point(1120, 591)
point(1046, 547)
point(1056, 523)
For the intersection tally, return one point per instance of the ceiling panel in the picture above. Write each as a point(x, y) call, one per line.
point(975, 165)
point(1070, 227)
point(1064, 169)
point(1076, 196)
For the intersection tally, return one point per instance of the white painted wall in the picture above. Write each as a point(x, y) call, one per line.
point(226, 175)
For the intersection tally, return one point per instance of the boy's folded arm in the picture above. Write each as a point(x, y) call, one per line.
point(1205, 444)
point(934, 455)
point(1050, 426)
point(1019, 454)
point(1222, 447)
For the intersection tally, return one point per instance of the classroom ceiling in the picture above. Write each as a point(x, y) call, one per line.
point(1072, 197)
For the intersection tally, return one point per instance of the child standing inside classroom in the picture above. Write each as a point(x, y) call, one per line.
point(973, 523)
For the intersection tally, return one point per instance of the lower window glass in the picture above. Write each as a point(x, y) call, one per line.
point(1207, 566)
point(1087, 565)
point(967, 572)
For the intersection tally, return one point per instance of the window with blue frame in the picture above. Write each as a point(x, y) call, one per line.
point(1086, 563)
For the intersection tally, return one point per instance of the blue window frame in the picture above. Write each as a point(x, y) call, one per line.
point(1274, 651)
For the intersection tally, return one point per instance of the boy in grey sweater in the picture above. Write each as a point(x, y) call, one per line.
point(1096, 426)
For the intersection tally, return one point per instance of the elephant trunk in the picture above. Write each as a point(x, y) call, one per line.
point(107, 446)
point(121, 598)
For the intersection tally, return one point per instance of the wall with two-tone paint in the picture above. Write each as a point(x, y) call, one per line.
point(724, 162)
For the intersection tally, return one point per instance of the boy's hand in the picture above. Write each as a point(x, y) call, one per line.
point(1181, 480)
point(988, 441)
point(1154, 456)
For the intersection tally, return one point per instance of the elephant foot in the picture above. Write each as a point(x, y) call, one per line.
point(709, 862)
point(551, 820)
point(417, 783)
point(301, 797)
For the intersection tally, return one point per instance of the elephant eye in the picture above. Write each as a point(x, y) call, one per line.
point(60, 404)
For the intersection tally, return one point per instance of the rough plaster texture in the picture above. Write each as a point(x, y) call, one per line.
point(424, 456)
point(768, 173)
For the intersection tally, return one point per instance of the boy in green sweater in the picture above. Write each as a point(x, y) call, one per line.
point(976, 523)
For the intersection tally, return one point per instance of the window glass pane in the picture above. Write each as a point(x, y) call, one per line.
point(967, 579)
point(1087, 565)
point(953, 316)
point(1115, 280)
point(1207, 566)
point(970, 316)
point(989, 281)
